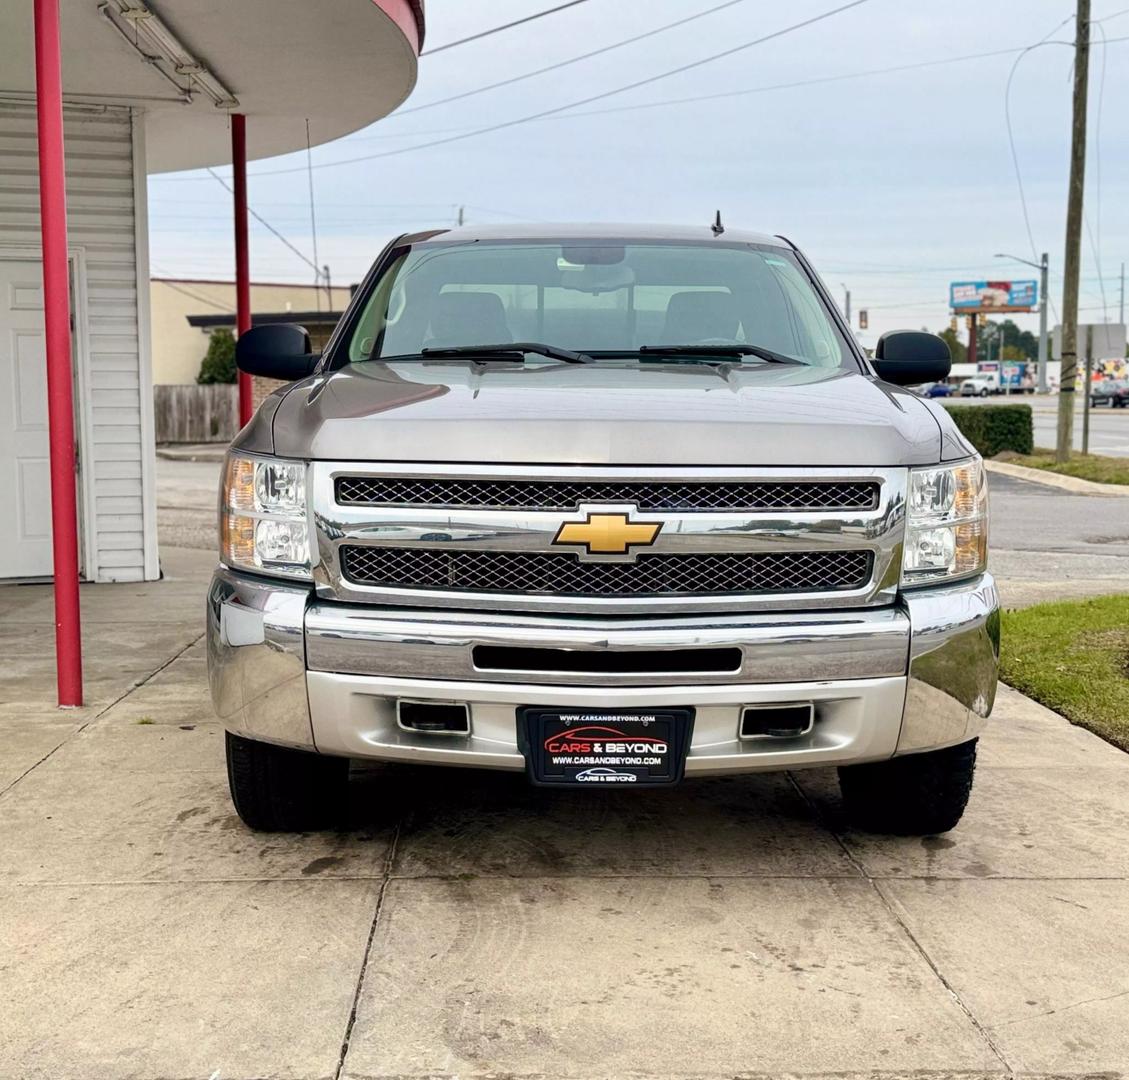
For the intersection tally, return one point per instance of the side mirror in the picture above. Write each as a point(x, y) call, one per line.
point(908, 357)
point(281, 351)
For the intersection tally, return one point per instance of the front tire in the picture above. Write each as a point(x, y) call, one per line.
point(915, 795)
point(276, 789)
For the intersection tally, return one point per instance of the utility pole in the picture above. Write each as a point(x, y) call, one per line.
point(1073, 258)
point(1043, 266)
point(1044, 351)
point(847, 304)
point(1121, 307)
point(1086, 394)
point(328, 286)
point(462, 215)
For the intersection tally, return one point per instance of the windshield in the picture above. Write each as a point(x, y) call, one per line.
point(599, 298)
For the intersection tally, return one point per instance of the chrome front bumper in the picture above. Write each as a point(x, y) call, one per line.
point(289, 669)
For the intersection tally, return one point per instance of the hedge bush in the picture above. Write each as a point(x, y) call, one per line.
point(218, 366)
point(995, 428)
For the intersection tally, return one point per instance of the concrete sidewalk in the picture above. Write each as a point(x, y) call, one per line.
point(468, 925)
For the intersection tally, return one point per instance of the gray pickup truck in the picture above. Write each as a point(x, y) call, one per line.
point(603, 505)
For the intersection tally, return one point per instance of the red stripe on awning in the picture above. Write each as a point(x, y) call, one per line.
point(407, 16)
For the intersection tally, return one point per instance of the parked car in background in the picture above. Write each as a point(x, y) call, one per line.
point(980, 385)
point(1111, 392)
point(936, 389)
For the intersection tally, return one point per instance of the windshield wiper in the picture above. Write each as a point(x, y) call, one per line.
point(515, 350)
point(758, 351)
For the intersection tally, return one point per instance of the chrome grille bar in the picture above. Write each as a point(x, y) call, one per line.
point(702, 559)
point(551, 574)
point(685, 496)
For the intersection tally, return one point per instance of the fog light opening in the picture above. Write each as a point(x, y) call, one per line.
point(776, 721)
point(434, 717)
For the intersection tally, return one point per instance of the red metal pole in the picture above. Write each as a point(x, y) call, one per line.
point(57, 324)
point(242, 262)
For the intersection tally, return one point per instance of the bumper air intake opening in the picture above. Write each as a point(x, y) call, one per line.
point(607, 661)
point(777, 721)
point(433, 718)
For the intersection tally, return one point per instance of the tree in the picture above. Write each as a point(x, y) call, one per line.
point(218, 365)
point(1018, 344)
point(956, 347)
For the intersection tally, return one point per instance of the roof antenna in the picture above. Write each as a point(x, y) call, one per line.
point(717, 226)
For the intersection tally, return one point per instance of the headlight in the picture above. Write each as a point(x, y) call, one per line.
point(947, 523)
point(263, 523)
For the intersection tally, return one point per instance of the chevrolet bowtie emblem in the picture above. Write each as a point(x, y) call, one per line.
point(608, 534)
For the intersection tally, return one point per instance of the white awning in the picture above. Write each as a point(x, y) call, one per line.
point(341, 65)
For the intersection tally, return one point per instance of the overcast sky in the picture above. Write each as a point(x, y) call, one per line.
point(894, 184)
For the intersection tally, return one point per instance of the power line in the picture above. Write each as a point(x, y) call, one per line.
point(266, 224)
point(561, 114)
point(1011, 141)
point(794, 85)
point(226, 309)
point(588, 100)
point(313, 216)
point(566, 63)
point(499, 29)
point(1011, 133)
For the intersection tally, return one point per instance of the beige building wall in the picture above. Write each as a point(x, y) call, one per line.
point(178, 348)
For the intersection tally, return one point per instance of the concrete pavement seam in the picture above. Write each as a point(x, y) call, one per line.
point(984, 1031)
point(102, 712)
point(124, 883)
point(899, 921)
point(357, 990)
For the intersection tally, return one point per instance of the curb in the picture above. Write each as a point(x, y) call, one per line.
point(199, 454)
point(1072, 484)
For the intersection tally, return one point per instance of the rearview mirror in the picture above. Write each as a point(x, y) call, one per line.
point(281, 351)
point(909, 357)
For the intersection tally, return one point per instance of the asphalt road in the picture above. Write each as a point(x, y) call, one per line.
point(187, 497)
point(1048, 544)
point(1109, 428)
point(1045, 543)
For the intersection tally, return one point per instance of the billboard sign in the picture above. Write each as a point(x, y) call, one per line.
point(987, 296)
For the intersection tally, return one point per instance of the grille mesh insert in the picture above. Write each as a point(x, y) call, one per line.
point(564, 574)
point(684, 495)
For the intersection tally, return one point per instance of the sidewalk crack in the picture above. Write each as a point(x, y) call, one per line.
point(1061, 1009)
point(386, 877)
point(136, 685)
point(910, 936)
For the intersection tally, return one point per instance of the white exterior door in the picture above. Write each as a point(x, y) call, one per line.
point(25, 490)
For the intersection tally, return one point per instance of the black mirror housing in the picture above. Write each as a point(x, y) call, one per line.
point(909, 357)
point(278, 351)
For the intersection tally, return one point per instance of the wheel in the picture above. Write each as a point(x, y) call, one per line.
point(915, 795)
point(276, 789)
point(984, 392)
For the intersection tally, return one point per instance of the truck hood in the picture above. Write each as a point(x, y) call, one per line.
point(606, 414)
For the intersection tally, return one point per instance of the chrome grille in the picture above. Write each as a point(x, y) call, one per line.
point(545, 573)
point(686, 496)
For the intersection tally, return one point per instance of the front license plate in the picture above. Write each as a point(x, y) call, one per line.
point(618, 747)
